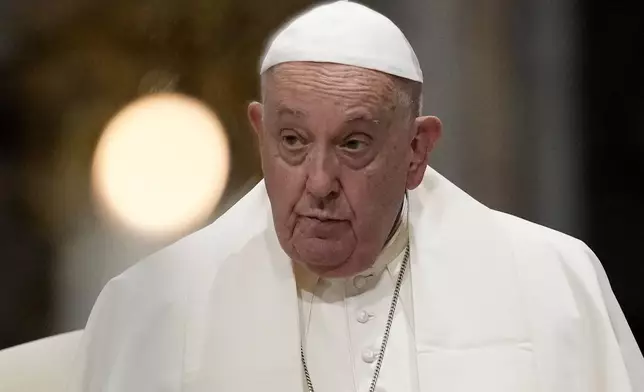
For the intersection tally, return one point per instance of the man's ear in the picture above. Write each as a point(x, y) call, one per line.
point(256, 118)
point(427, 131)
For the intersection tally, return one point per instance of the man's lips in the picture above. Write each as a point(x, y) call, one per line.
point(321, 226)
point(323, 218)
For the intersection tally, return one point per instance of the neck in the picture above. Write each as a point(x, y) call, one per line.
point(396, 223)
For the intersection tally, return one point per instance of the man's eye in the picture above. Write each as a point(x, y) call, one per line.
point(292, 141)
point(354, 144)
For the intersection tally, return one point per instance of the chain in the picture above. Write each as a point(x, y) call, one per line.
point(385, 338)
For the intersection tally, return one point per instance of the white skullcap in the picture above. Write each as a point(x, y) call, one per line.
point(347, 33)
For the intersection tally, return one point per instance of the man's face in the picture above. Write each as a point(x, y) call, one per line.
point(336, 151)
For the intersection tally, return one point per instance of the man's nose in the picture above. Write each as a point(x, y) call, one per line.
point(322, 181)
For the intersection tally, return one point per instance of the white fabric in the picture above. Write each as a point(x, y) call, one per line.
point(40, 366)
point(499, 304)
point(343, 322)
point(344, 32)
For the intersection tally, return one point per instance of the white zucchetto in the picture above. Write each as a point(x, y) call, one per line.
point(344, 32)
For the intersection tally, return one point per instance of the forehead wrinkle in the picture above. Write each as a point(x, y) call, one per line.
point(335, 81)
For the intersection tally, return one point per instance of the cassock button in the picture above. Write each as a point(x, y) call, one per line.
point(363, 317)
point(369, 356)
point(359, 282)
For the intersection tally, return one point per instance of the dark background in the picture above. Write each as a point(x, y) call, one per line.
point(613, 116)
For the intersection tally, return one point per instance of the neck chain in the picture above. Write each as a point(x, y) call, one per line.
point(383, 346)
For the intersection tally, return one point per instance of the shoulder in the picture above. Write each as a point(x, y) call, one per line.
point(533, 245)
point(145, 309)
point(544, 245)
point(169, 276)
point(532, 232)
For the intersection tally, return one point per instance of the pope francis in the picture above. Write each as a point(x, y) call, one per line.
point(354, 266)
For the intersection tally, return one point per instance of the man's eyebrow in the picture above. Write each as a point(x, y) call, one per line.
point(286, 111)
point(362, 116)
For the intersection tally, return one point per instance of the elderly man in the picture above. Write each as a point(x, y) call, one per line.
point(353, 266)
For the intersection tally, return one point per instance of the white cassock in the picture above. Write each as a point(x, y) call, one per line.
point(343, 321)
point(491, 303)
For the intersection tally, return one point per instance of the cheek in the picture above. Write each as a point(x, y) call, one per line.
point(359, 191)
point(385, 175)
point(374, 194)
point(284, 185)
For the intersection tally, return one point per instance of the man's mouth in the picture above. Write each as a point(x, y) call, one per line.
point(323, 218)
point(321, 226)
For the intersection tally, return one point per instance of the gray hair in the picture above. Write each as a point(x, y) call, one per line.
point(409, 95)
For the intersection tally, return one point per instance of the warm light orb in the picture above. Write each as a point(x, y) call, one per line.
point(161, 165)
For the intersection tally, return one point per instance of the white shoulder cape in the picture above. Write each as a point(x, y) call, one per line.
point(500, 305)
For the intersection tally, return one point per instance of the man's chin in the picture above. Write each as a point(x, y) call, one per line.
point(329, 267)
point(343, 270)
point(323, 259)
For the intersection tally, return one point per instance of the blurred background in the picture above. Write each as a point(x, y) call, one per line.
point(123, 128)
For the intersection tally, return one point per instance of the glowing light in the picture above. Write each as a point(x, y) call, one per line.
point(161, 165)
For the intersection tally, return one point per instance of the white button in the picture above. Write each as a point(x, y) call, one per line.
point(359, 282)
point(369, 356)
point(363, 317)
